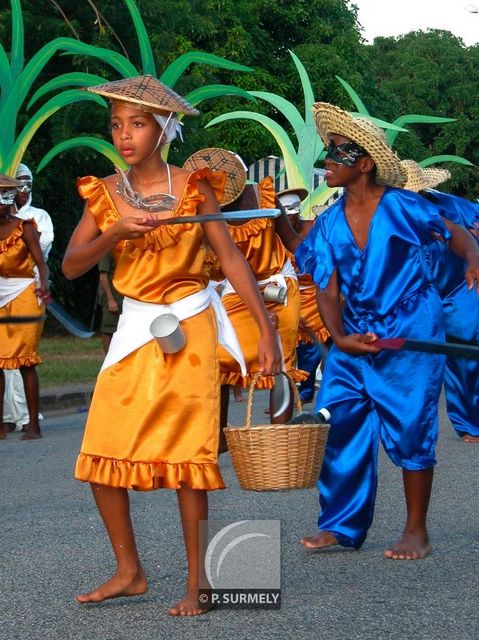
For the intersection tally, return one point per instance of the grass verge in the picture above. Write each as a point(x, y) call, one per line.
point(67, 360)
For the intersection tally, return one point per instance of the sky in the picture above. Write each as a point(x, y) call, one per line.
point(394, 18)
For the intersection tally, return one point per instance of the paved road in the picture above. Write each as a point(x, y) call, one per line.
point(53, 546)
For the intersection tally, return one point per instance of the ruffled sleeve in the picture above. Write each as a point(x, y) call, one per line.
point(12, 238)
point(267, 193)
point(94, 191)
point(315, 255)
point(193, 197)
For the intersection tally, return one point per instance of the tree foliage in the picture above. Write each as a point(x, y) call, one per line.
point(428, 73)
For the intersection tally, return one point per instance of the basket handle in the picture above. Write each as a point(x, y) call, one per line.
point(249, 406)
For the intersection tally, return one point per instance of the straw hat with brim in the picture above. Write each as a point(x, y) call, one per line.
point(419, 179)
point(331, 119)
point(146, 92)
point(299, 191)
point(218, 159)
point(9, 183)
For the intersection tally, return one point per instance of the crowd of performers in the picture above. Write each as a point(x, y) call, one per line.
point(391, 257)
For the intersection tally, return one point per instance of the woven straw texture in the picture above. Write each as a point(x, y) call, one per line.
point(277, 457)
point(419, 179)
point(147, 92)
point(218, 159)
point(9, 183)
point(331, 119)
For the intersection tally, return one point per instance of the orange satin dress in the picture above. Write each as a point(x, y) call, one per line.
point(258, 242)
point(154, 417)
point(19, 342)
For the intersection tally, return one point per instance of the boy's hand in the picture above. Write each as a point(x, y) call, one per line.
point(358, 344)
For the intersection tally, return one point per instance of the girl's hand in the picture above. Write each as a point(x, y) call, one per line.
point(269, 355)
point(43, 293)
point(358, 344)
point(131, 227)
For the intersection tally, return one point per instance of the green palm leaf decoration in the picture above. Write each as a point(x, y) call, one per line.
point(414, 119)
point(18, 78)
point(14, 157)
point(299, 159)
point(147, 60)
point(397, 126)
point(174, 71)
point(97, 144)
point(445, 158)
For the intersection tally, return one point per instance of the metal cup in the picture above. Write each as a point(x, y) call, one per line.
point(274, 293)
point(167, 331)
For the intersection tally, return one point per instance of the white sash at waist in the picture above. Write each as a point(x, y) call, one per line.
point(10, 288)
point(134, 324)
point(287, 271)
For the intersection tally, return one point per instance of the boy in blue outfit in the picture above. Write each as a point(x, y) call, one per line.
point(460, 304)
point(368, 247)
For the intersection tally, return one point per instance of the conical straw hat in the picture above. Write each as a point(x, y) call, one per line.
point(331, 119)
point(148, 93)
point(419, 179)
point(9, 183)
point(218, 159)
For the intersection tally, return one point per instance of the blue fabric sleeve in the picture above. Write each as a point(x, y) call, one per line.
point(455, 208)
point(315, 256)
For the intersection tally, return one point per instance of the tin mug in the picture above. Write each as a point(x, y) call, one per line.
point(167, 331)
point(274, 293)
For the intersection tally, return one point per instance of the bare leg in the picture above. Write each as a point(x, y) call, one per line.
point(414, 542)
point(193, 505)
point(32, 395)
point(105, 341)
point(129, 579)
point(225, 400)
point(3, 431)
point(238, 393)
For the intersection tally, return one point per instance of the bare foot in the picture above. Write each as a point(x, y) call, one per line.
point(411, 546)
point(3, 434)
point(31, 434)
point(8, 427)
point(320, 541)
point(190, 605)
point(117, 587)
point(466, 437)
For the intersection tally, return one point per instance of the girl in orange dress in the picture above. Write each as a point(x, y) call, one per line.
point(150, 426)
point(20, 296)
point(258, 241)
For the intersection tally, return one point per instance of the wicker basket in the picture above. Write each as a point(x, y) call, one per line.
point(276, 457)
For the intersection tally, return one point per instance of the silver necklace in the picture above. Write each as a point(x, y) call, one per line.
point(155, 202)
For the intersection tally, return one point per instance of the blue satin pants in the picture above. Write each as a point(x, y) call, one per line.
point(461, 380)
point(392, 398)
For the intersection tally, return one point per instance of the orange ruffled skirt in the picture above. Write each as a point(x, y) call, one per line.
point(154, 417)
point(19, 342)
point(310, 317)
point(248, 336)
